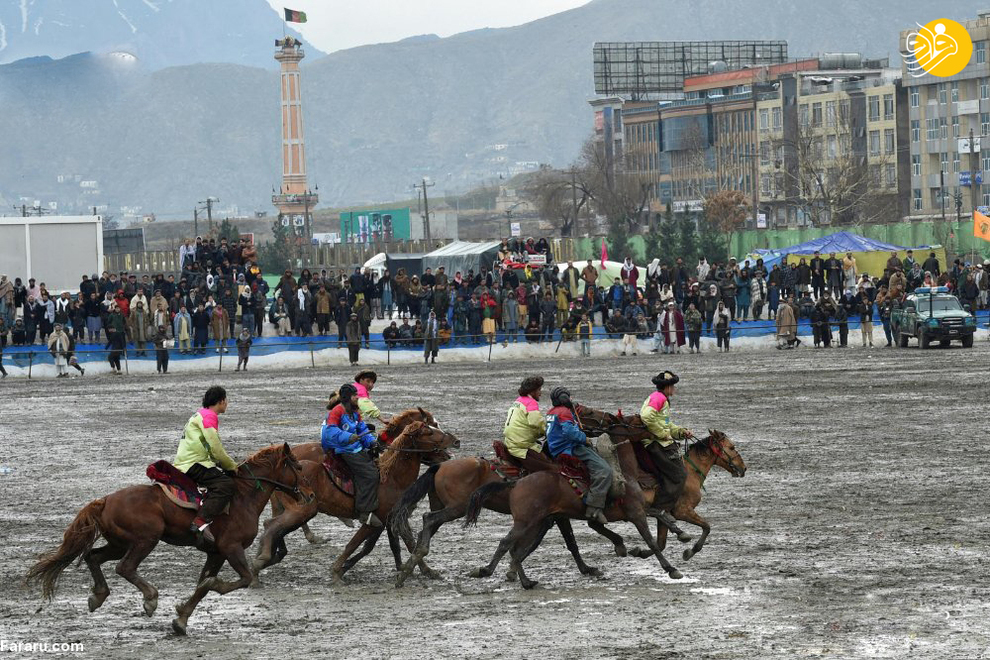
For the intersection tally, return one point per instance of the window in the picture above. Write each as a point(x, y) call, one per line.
point(936, 198)
point(888, 106)
point(981, 51)
point(764, 120)
point(955, 92)
point(916, 196)
point(986, 163)
point(932, 93)
point(944, 161)
point(876, 176)
point(931, 128)
point(874, 143)
point(764, 154)
point(765, 184)
point(803, 114)
point(915, 130)
point(832, 146)
point(943, 90)
point(845, 144)
point(985, 123)
point(890, 175)
point(955, 127)
point(916, 164)
point(830, 113)
point(955, 161)
point(985, 88)
point(874, 105)
point(816, 114)
point(943, 128)
point(915, 97)
point(844, 110)
point(775, 117)
point(888, 141)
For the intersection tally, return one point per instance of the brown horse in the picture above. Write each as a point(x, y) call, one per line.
point(134, 519)
point(539, 499)
point(399, 467)
point(452, 485)
point(700, 457)
point(313, 451)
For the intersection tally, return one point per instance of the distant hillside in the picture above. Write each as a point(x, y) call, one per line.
point(160, 33)
point(377, 117)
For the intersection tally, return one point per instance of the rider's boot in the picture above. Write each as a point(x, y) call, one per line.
point(670, 523)
point(596, 514)
point(201, 528)
point(369, 518)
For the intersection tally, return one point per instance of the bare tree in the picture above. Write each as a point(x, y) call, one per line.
point(619, 195)
point(559, 196)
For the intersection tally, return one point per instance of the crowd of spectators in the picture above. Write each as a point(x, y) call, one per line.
point(220, 286)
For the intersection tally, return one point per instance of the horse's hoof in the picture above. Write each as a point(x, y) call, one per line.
point(529, 584)
point(337, 579)
point(256, 583)
point(150, 605)
point(431, 574)
point(480, 573)
point(400, 580)
point(688, 554)
point(179, 626)
point(674, 574)
point(684, 537)
point(511, 576)
point(591, 571)
point(96, 600)
point(314, 539)
point(620, 551)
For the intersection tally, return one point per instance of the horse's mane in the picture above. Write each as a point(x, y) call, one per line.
point(390, 457)
point(271, 457)
point(702, 445)
point(406, 417)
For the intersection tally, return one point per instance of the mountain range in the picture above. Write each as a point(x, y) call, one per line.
point(378, 117)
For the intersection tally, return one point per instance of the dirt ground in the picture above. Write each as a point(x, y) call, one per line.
point(859, 530)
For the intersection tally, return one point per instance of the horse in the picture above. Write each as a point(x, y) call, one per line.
point(452, 484)
point(134, 519)
point(699, 458)
point(539, 499)
point(313, 451)
point(398, 468)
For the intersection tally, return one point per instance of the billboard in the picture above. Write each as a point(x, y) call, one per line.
point(54, 249)
point(374, 225)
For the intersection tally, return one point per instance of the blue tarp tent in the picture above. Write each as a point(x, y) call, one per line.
point(840, 243)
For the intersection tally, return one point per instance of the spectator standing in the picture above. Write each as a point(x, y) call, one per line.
point(363, 312)
point(864, 307)
point(431, 338)
point(849, 271)
point(629, 337)
point(630, 275)
point(138, 322)
point(787, 326)
point(723, 318)
point(692, 323)
point(931, 265)
point(548, 314)
point(341, 315)
point(201, 328)
point(182, 329)
point(385, 293)
point(589, 274)
point(220, 322)
point(244, 342)
point(510, 318)
point(353, 332)
point(116, 338)
point(162, 344)
point(585, 330)
point(58, 346)
point(670, 330)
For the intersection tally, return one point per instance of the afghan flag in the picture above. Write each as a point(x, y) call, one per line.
point(981, 226)
point(293, 16)
point(604, 253)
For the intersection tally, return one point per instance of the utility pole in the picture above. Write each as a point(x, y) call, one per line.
point(426, 209)
point(574, 201)
point(209, 210)
point(941, 192)
point(195, 222)
point(972, 170)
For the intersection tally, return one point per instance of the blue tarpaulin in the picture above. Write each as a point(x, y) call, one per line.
point(839, 242)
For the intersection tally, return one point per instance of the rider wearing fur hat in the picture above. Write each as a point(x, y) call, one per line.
point(662, 446)
point(364, 382)
point(349, 437)
point(524, 426)
point(564, 436)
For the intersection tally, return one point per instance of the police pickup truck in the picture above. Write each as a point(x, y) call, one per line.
point(932, 314)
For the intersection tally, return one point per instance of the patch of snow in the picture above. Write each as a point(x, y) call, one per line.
point(24, 15)
point(3, 36)
point(37, 25)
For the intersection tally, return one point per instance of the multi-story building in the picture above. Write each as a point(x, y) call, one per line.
point(803, 140)
point(947, 177)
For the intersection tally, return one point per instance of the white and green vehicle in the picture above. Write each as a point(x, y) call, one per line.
point(932, 314)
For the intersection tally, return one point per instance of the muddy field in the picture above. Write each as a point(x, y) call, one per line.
point(859, 531)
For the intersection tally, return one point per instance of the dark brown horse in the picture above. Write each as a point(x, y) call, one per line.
point(313, 451)
point(539, 499)
point(134, 519)
point(399, 467)
point(452, 484)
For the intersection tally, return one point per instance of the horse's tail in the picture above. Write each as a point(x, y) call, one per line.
point(482, 495)
point(398, 519)
point(79, 538)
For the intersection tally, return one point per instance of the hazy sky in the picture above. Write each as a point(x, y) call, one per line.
point(335, 24)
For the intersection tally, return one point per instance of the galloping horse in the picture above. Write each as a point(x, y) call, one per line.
point(313, 451)
point(134, 519)
point(452, 484)
point(399, 467)
point(538, 500)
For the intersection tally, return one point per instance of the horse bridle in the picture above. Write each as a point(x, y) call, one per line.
point(715, 447)
point(435, 450)
point(295, 491)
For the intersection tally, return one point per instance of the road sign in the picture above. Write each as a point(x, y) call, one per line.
point(963, 145)
point(515, 229)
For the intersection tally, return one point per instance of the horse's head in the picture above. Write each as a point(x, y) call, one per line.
point(405, 418)
point(726, 456)
point(427, 443)
point(277, 466)
point(596, 422)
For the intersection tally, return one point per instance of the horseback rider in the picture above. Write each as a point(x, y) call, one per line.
point(202, 457)
point(662, 446)
point(564, 436)
point(364, 382)
point(349, 437)
point(524, 426)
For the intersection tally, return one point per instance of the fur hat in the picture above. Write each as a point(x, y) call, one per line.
point(367, 373)
point(530, 384)
point(346, 391)
point(664, 379)
point(560, 396)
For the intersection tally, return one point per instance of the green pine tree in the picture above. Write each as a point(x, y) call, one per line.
point(618, 240)
point(668, 238)
point(687, 243)
point(229, 231)
point(276, 255)
point(711, 242)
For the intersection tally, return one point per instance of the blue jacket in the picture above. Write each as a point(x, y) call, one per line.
point(563, 433)
point(337, 431)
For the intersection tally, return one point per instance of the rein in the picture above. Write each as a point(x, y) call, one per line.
point(278, 484)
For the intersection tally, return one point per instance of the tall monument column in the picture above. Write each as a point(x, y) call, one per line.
point(294, 199)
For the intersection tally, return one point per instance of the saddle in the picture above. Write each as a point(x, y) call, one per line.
point(338, 472)
point(177, 486)
point(649, 475)
point(505, 464)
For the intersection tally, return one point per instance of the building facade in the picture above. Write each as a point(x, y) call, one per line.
point(948, 178)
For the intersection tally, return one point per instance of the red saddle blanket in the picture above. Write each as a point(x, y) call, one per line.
point(179, 486)
point(338, 472)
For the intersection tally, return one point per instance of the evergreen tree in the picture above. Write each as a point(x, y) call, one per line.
point(229, 231)
point(668, 238)
point(687, 243)
point(618, 240)
point(276, 255)
point(711, 241)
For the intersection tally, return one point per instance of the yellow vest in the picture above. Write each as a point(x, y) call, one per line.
point(523, 429)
